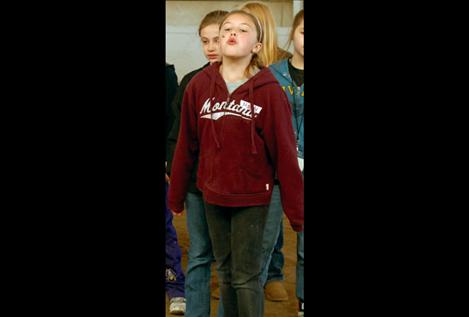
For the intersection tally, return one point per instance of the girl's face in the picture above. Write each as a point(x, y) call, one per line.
point(209, 36)
point(299, 39)
point(239, 37)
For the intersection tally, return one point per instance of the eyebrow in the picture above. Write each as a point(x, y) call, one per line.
point(226, 22)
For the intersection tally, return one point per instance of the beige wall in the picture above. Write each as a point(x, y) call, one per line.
point(183, 47)
point(183, 13)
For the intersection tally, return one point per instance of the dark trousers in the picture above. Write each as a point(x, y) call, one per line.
point(174, 282)
point(237, 234)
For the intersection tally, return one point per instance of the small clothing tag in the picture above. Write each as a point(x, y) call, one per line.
point(301, 163)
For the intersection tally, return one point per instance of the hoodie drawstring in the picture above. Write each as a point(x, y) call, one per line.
point(251, 108)
point(212, 123)
point(253, 125)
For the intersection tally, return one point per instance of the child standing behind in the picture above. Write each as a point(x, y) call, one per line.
point(290, 74)
point(174, 282)
point(272, 273)
point(200, 255)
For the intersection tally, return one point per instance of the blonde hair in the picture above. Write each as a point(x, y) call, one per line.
point(256, 62)
point(270, 52)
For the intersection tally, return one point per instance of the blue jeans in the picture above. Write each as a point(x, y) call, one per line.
point(300, 266)
point(273, 240)
point(200, 257)
point(273, 243)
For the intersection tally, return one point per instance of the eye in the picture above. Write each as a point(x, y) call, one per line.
point(227, 29)
point(216, 40)
point(244, 31)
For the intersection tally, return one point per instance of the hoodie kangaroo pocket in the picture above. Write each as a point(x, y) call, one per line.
point(255, 181)
point(237, 180)
point(247, 181)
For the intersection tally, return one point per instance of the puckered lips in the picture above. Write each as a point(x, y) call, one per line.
point(232, 41)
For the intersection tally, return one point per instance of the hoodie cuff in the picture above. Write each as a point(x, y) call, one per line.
point(297, 227)
point(177, 208)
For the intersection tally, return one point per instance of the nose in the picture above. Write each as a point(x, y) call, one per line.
point(233, 32)
point(211, 46)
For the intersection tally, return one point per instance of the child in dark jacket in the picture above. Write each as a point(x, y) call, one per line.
point(174, 282)
point(233, 122)
point(200, 255)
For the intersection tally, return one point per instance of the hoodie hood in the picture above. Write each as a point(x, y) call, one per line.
point(263, 77)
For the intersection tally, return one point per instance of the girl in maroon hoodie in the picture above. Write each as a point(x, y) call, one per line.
point(233, 120)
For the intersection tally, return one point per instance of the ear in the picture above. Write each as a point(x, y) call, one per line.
point(256, 48)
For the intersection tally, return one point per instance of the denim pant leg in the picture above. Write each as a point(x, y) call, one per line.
point(272, 231)
point(236, 235)
point(300, 266)
point(277, 260)
point(174, 282)
point(200, 259)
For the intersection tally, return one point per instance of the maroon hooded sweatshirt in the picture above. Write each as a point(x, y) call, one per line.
point(240, 147)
